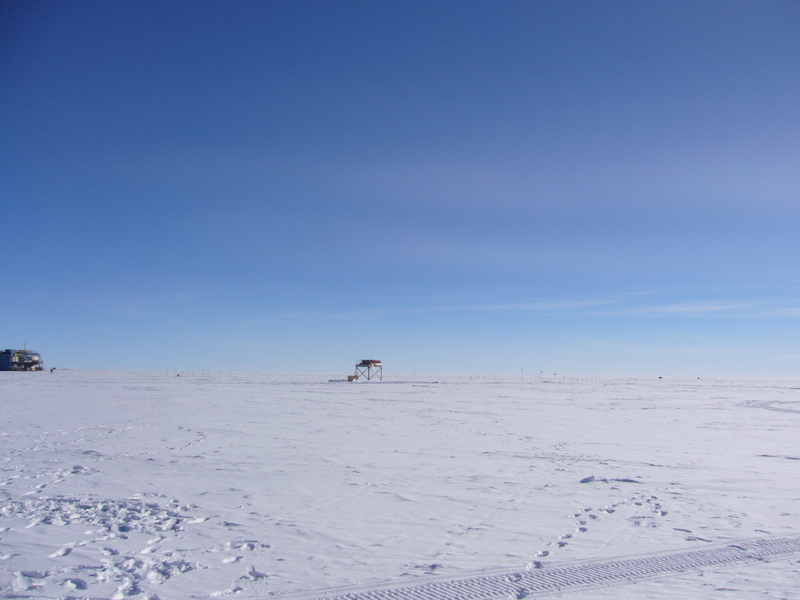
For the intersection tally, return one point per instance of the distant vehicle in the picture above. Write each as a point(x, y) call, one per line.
point(20, 360)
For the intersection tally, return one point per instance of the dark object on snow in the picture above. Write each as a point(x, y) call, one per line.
point(592, 478)
point(20, 360)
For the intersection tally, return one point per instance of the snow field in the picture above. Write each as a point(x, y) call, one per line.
point(145, 485)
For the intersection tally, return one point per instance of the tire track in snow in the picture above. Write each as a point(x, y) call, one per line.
point(549, 579)
point(771, 406)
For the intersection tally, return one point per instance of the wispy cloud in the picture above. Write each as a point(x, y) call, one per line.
point(700, 308)
point(552, 306)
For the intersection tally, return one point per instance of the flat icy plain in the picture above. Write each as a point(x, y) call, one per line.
point(208, 485)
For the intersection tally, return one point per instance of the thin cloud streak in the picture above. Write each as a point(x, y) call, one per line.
point(699, 308)
point(621, 307)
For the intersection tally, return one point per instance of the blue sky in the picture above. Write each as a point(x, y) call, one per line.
point(585, 188)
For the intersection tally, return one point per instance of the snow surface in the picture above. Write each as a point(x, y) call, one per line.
point(165, 485)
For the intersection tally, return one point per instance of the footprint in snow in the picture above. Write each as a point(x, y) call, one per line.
point(128, 588)
point(61, 552)
point(156, 576)
point(245, 545)
point(74, 583)
point(24, 581)
point(253, 574)
point(234, 589)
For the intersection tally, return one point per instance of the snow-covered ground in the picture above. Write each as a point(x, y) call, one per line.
point(148, 485)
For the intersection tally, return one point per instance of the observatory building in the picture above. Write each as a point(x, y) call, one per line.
point(368, 369)
point(20, 360)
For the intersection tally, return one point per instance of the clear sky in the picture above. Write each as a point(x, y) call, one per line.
point(584, 188)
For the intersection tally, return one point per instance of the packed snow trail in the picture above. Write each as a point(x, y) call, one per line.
point(547, 579)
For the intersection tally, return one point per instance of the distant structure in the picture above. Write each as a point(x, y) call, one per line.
point(368, 369)
point(20, 360)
